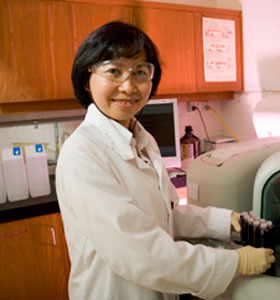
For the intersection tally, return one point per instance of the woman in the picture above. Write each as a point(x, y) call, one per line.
point(118, 206)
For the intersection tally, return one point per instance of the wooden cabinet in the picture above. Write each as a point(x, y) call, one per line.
point(39, 40)
point(173, 33)
point(87, 17)
point(36, 38)
point(34, 259)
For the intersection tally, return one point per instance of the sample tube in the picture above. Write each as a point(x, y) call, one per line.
point(243, 229)
point(277, 261)
point(256, 234)
point(252, 214)
point(269, 224)
point(245, 234)
point(268, 235)
point(263, 228)
point(250, 232)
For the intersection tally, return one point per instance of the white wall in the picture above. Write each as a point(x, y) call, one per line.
point(261, 25)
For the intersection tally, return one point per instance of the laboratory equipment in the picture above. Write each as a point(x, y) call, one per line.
point(225, 177)
point(160, 118)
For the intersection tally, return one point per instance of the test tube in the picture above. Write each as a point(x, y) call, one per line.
point(250, 232)
point(263, 228)
point(268, 235)
point(277, 262)
point(256, 234)
point(243, 229)
point(252, 214)
point(245, 234)
point(269, 224)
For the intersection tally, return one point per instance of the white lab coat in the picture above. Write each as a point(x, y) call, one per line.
point(119, 223)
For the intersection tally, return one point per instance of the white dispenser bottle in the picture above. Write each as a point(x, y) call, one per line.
point(37, 170)
point(3, 194)
point(15, 174)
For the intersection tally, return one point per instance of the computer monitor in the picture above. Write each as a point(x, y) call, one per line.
point(160, 118)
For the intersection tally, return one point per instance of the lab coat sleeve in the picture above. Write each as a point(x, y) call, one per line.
point(194, 222)
point(128, 240)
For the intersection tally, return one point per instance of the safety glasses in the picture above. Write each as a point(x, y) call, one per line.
point(117, 72)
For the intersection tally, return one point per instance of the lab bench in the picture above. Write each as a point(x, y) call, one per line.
point(31, 207)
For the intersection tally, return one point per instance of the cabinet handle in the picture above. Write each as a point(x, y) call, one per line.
point(53, 236)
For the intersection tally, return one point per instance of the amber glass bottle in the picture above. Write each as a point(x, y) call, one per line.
point(190, 147)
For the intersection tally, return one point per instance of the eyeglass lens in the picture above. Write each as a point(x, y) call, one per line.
point(142, 72)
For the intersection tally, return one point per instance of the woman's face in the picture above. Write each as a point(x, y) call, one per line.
point(120, 100)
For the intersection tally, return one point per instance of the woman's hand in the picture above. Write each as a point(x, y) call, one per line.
point(235, 222)
point(254, 261)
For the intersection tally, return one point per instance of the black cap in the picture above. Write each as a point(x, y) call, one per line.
point(188, 128)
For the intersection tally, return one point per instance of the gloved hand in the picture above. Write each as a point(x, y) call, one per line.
point(235, 221)
point(254, 260)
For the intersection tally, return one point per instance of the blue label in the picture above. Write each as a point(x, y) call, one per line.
point(16, 151)
point(39, 148)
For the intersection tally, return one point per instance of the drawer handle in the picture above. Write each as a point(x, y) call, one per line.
point(53, 236)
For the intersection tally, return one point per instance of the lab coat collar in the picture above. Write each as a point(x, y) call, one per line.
point(127, 135)
point(143, 141)
point(115, 135)
point(140, 134)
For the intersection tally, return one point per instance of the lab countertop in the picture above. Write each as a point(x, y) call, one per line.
point(30, 207)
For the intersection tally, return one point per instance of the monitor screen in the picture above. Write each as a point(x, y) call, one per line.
point(160, 118)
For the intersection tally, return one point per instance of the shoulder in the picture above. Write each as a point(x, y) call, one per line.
point(86, 142)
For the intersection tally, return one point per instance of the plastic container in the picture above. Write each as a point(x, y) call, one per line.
point(3, 193)
point(37, 170)
point(190, 147)
point(15, 174)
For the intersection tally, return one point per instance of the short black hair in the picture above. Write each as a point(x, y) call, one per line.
point(111, 41)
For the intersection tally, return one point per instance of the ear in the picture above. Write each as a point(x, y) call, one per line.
point(86, 86)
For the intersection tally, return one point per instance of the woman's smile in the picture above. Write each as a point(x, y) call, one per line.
point(123, 103)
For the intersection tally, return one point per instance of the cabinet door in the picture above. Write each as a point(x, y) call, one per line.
point(218, 55)
point(61, 47)
point(173, 33)
point(87, 17)
point(34, 260)
point(36, 38)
